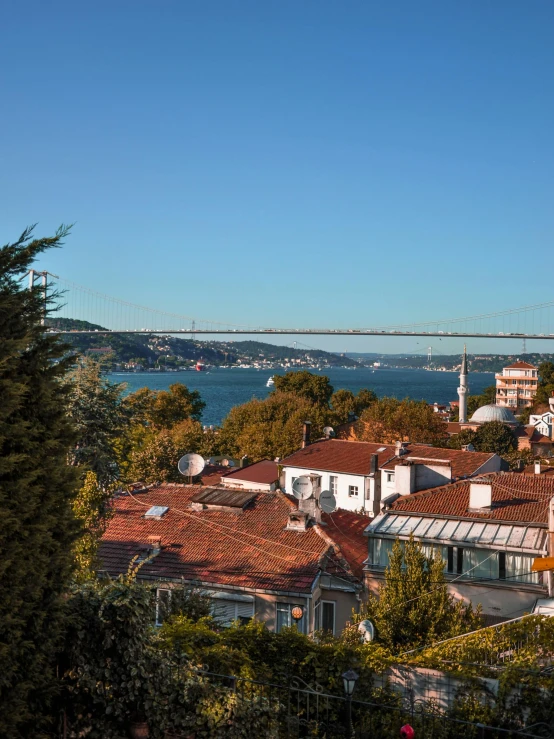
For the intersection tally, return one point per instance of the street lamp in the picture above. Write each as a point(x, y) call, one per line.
point(297, 612)
point(349, 679)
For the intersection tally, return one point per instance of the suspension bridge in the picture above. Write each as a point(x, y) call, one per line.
point(81, 310)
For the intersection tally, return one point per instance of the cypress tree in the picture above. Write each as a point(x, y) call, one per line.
point(37, 487)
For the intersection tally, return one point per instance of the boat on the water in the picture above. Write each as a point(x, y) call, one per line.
point(270, 382)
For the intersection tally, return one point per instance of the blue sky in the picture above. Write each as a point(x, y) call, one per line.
point(300, 163)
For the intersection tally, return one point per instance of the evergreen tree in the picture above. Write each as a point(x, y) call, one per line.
point(414, 607)
point(95, 406)
point(37, 488)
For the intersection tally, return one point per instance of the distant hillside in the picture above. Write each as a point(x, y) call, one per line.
point(150, 350)
point(477, 362)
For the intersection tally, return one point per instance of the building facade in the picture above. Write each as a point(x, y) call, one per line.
point(238, 547)
point(488, 530)
point(517, 386)
point(361, 475)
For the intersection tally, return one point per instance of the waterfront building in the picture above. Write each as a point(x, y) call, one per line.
point(516, 386)
point(489, 530)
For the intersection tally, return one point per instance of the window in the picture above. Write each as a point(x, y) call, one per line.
point(284, 617)
point(225, 610)
point(380, 550)
point(389, 477)
point(324, 616)
point(501, 565)
point(455, 560)
point(353, 491)
point(333, 484)
point(163, 599)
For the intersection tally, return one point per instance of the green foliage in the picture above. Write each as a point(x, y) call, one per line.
point(345, 404)
point(314, 388)
point(545, 388)
point(495, 437)
point(95, 407)
point(156, 460)
point(91, 508)
point(163, 409)
point(36, 492)
point(414, 606)
point(465, 437)
point(271, 427)
point(388, 420)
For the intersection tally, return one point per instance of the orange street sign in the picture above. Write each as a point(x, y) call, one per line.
point(542, 564)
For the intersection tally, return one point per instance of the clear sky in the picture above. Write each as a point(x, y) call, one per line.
point(299, 162)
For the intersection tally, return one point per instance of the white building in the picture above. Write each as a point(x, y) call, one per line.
point(544, 422)
point(363, 475)
point(488, 531)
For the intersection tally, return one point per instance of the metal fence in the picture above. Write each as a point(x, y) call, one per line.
point(295, 710)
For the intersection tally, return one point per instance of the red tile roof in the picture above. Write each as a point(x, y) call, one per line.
point(264, 472)
point(250, 549)
point(515, 498)
point(463, 463)
point(347, 530)
point(520, 365)
point(353, 457)
point(336, 455)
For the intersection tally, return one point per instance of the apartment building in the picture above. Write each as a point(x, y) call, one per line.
point(517, 386)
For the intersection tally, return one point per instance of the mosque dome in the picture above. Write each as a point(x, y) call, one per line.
point(487, 413)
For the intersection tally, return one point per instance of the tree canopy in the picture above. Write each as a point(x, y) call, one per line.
point(414, 606)
point(162, 409)
point(96, 409)
point(37, 488)
point(304, 384)
point(388, 420)
point(271, 427)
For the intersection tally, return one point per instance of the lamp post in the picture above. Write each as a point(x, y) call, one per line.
point(349, 679)
point(297, 612)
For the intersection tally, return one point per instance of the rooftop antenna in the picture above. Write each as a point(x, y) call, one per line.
point(302, 488)
point(327, 501)
point(191, 465)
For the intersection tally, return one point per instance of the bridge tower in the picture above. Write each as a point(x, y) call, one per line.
point(463, 389)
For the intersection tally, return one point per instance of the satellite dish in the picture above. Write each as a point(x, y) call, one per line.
point(329, 432)
point(302, 487)
point(191, 465)
point(327, 501)
point(367, 630)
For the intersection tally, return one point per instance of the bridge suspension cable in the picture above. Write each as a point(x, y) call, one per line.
point(78, 303)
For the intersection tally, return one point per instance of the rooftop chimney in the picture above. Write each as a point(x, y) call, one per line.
point(480, 496)
point(155, 543)
point(244, 460)
point(374, 464)
point(468, 448)
point(400, 447)
point(537, 467)
point(306, 428)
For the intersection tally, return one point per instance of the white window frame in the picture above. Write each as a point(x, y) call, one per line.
point(351, 488)
point(389, 477)
point(287, 608)
point(334, 484)
point(318, 614)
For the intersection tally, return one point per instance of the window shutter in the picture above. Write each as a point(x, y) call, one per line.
point(224, 611)
point(245, 610)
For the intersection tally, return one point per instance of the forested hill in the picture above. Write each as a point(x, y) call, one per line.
point(151, 350)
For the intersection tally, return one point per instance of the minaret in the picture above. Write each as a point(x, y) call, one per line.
point(463, 389)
